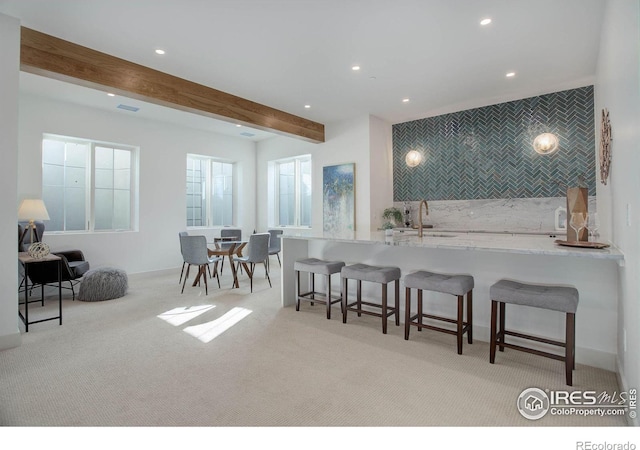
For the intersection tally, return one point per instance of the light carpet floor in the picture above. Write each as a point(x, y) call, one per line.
point(150, 359)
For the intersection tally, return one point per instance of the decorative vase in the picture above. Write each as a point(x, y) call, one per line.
point(577, 202)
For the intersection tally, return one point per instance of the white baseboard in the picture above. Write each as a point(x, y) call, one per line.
point(10, 341)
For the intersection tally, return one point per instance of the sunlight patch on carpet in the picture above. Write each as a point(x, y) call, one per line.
point(206, 332)
point(181, 315)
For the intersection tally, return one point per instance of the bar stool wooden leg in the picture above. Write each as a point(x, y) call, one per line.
point(502, 320)
point(312, 283)
point(570, 346)
point(459, 323)
point(344, 300)
point(407, 312)
point(384, 308)
point(297, 290)
point(420, 309)
point(494, 324)
point(470, 316)
point(328, 296)
point(397, 288)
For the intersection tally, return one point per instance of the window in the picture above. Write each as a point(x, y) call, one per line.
point(209, 192)
point(88, 186)
point(291, 181)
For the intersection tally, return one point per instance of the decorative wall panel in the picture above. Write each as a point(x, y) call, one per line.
point(487, 153)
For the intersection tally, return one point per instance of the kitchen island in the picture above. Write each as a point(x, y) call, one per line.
point(488, 257)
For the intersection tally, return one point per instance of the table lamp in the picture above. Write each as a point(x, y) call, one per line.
point(32, 210)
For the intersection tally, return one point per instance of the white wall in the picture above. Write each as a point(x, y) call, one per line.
point(346, 142)
point(163, 150)
point(617, 89)
point(9, 74)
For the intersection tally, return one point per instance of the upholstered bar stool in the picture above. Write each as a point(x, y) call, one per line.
point(458, 285)
point(315, 266)
point(373, 274)
point(557, 298)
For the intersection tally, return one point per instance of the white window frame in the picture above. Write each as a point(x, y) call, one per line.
point(90, 182)
point(274, 191)
point(209, 190)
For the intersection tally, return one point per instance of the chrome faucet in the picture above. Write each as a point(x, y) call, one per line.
point(426, 207)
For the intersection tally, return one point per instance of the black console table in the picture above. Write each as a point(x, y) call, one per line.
point(27, 260)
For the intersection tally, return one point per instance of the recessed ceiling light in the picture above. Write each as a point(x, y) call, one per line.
point(238, 125)
point(307, 106)
point(405, 100)
point(110, 94)
point(486, 21)
point(355, 68)
point(159, 51)
point(372, 78)
point(510, 74)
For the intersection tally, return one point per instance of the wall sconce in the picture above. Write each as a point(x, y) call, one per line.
point(413, 158)
point(545, 143)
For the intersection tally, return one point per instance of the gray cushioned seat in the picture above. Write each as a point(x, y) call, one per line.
point(318, 266)
point(104, 283)
point(79, 267)
point(374, 274)
point(448, 284)
point(557, 298)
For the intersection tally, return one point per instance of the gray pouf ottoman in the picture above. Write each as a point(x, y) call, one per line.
point(104, 283)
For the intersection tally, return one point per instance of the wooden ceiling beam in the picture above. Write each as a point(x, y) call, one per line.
point(52, 57)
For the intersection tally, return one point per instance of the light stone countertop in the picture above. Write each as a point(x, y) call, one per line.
point(504, 242)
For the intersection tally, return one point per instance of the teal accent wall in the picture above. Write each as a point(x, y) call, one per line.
point(487, 153)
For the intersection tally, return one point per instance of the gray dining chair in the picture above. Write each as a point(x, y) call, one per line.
point(195, 252)
point(234, 233)
point(184, 263)
point(275, 244)
point(258, 254)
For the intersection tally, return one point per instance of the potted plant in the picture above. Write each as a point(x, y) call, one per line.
point(392, 217)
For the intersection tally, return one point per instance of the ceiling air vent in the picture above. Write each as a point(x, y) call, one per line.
point(244, 133)
point(128, 108)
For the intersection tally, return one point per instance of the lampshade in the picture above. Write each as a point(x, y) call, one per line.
point(413, 158)
point(32, 209)
point(545, 143)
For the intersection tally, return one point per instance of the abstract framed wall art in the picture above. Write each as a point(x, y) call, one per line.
point(338, 198)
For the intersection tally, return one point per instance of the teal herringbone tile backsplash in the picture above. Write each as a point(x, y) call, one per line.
point(487, 153)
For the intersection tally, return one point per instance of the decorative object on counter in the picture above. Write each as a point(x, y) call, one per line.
point(580, 244)
point(38, 250)
point(592, 225)
point(577, 222)
point(408, 222)
point(545, 143)
point(605, 146)
point(393, 216)
point(413, 158)
point(577, 202)
point(560, 219)
point(338, 198)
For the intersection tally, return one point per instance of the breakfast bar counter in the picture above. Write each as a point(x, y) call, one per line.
point(488, 257)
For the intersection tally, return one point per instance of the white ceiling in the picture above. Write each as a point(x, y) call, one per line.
point(288, 53)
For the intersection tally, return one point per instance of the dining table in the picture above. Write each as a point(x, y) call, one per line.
point(228, 247)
